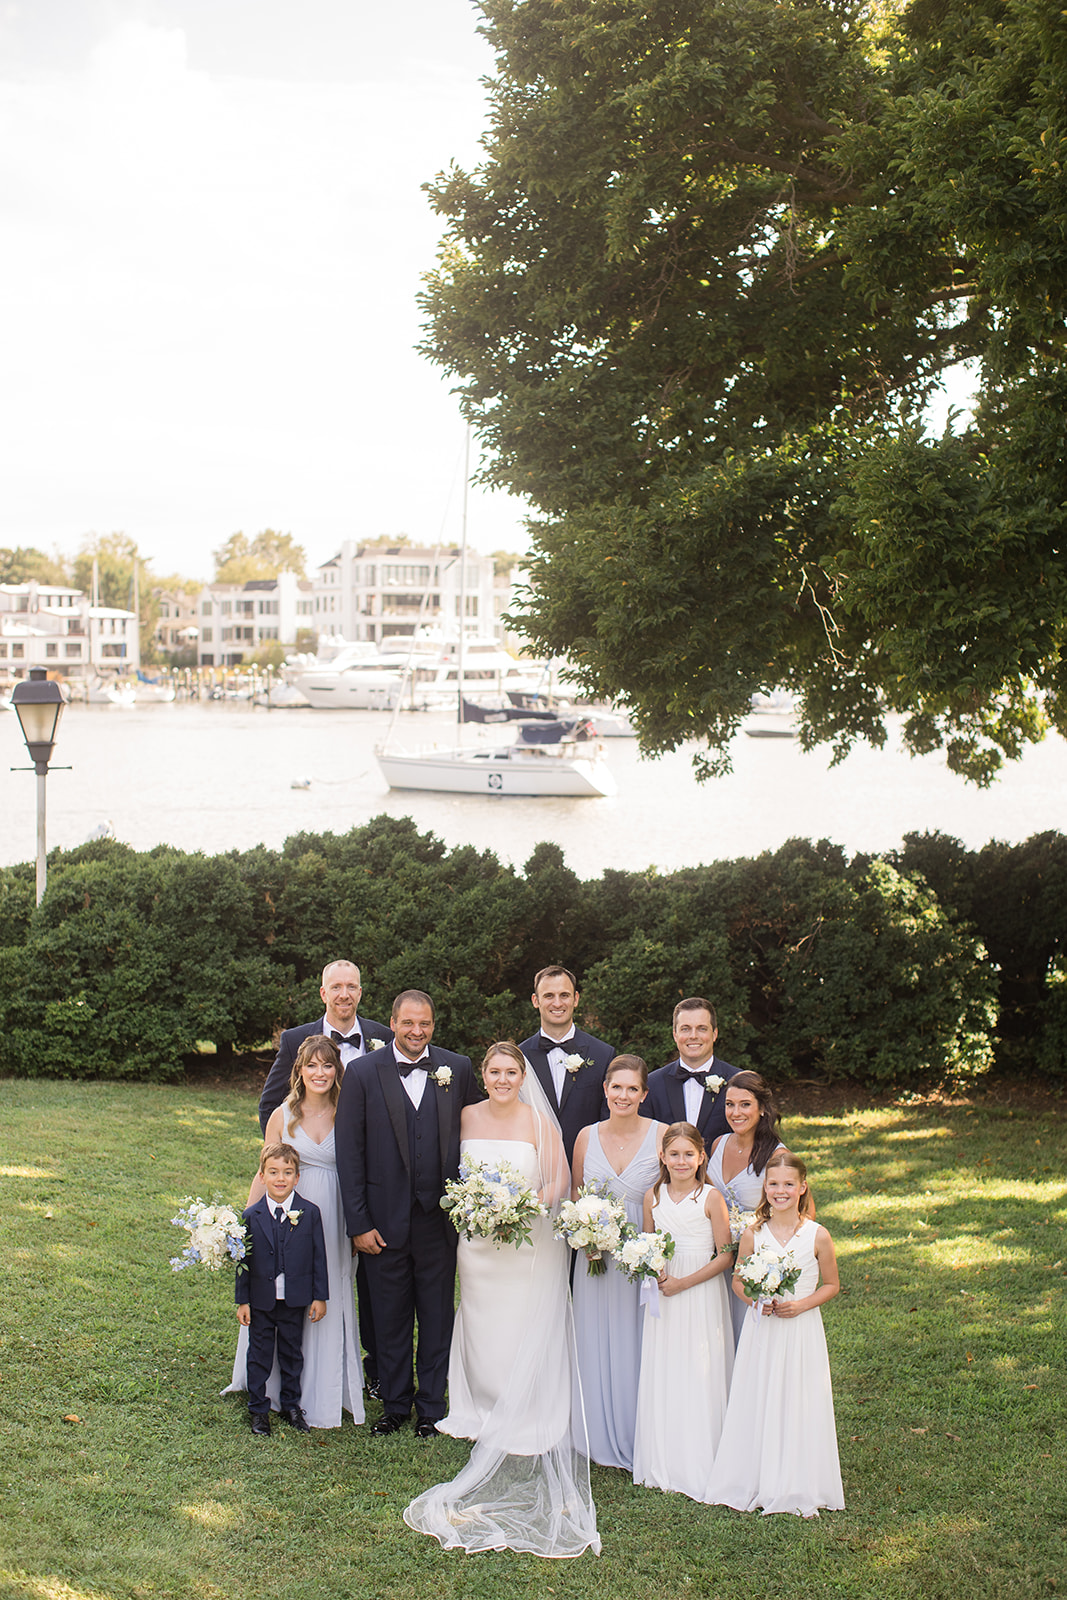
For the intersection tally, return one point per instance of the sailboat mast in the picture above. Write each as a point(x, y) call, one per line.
point(463, 580)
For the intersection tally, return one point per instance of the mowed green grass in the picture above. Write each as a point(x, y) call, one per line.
point(124, 1474)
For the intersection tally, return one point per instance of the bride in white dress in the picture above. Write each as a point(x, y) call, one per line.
point(526, 1485)
point(332, 1380)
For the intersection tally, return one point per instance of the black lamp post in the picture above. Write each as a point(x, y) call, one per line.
point(39, 703)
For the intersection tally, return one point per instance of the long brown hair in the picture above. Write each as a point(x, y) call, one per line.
point(765, 1139)
point(680, 1130)
point(316, 1047)
point(784, 1158)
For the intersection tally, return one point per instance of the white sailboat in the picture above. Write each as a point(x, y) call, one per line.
point(560, 758)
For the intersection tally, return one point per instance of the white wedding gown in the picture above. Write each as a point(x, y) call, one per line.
point(526, 1485)
point(500, 1288)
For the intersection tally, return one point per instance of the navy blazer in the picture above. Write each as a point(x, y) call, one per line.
point(582, 1099)
point(371, 1139)
point(278, 1078)
point(307, 1275)
point(666, 1099)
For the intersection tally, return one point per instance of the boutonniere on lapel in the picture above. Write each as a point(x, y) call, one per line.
point(713, 1083)
point(442, 1076)
point(576, 1063)
point(377, 1044)
point(294, 1218)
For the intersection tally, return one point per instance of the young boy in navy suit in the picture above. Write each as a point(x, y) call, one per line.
point(286, 1275)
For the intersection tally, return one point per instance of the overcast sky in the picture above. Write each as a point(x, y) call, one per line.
point(214, 232)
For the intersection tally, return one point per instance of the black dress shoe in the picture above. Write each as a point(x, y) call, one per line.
point(373, 1388)
point(260, 1423)
point(425, 1428)
point(295, 1418)
point(387, 1424)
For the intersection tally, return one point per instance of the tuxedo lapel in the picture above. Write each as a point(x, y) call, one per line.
point(676, 1095)
point(392, 1090)
point(539, 1061)
point(445, 1102)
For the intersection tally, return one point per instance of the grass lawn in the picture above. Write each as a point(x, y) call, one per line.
point(124, 1474)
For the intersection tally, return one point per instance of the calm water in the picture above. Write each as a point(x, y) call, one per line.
point(215, 777)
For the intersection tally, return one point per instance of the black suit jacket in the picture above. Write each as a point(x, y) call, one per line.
point(307, 1276)
point(666, 1099)
point(582, 1099)
point(278, 1078)
point(371, 1139)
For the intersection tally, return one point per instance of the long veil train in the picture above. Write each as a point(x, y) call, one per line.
point(538, 1503)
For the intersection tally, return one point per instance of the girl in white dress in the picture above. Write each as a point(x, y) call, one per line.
point(332, 1381)
point(687, 1350)
point(779, 1444)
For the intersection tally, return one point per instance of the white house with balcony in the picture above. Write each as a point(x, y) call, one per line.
point(235, 618)
point(47, 625)
point(376, 592)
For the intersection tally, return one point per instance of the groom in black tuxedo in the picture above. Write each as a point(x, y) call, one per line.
point(679, 1091)
point(397, 1140)
point(575, 1090)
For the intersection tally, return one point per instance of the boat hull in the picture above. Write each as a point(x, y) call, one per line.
point(499, 772)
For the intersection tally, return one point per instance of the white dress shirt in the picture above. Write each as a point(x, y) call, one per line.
point(413, 1082)
point(287, 1206)
point(556, 1057)
point(694, 1092)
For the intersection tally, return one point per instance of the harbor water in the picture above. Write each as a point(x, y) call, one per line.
point(215, 776)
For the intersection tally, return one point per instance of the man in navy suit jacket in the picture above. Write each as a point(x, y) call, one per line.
point(287, 1274)
point(680, 1091)
point(397, 1141)
point(352, 1034)
point(575, 1087)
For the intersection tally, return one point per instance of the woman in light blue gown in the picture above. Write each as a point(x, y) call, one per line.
point(623, 1154)
point(737, 1159)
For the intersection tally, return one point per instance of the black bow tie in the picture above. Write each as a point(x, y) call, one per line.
point(339, 1039)
point(694, 1077)
point(404, 1067)
point(546, 1044)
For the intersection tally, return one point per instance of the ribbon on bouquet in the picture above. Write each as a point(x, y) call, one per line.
point(650, 1296)
point(757, 1312)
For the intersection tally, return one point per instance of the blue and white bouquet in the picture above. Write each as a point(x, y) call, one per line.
point(595, 1222)
point(217, 1237)
point(765, 1273)
point(491, 1202)
point(740, 1219)
point(644, 1255)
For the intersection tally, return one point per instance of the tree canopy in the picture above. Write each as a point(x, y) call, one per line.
point(242, 560)
point(718, 257)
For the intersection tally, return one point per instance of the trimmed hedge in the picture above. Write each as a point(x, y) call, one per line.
point(821, 967)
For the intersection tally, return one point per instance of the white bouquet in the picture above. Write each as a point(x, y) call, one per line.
point(595, 1222)
point(491, 1202)
point(217, 1236)
point(739, 1221)
point(765, 1273)
point(644, 1255)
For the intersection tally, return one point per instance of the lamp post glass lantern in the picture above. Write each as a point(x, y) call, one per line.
point(38, 703)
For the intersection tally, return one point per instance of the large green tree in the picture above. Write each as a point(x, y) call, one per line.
point(242, 560)
point(718, 256)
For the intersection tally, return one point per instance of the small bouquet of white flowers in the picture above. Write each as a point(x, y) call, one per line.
point(765, 1273)
point(739, 1221)
point(644, 1255)
point(595, 1222)
point(491, 1202)
point(217, 1236)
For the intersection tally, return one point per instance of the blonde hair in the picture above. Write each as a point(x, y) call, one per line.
point(316, 1047)
point(505, 1047)
point(785, 1158)
point(680, 1130)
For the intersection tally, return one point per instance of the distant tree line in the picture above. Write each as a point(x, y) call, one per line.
point(927, 965)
